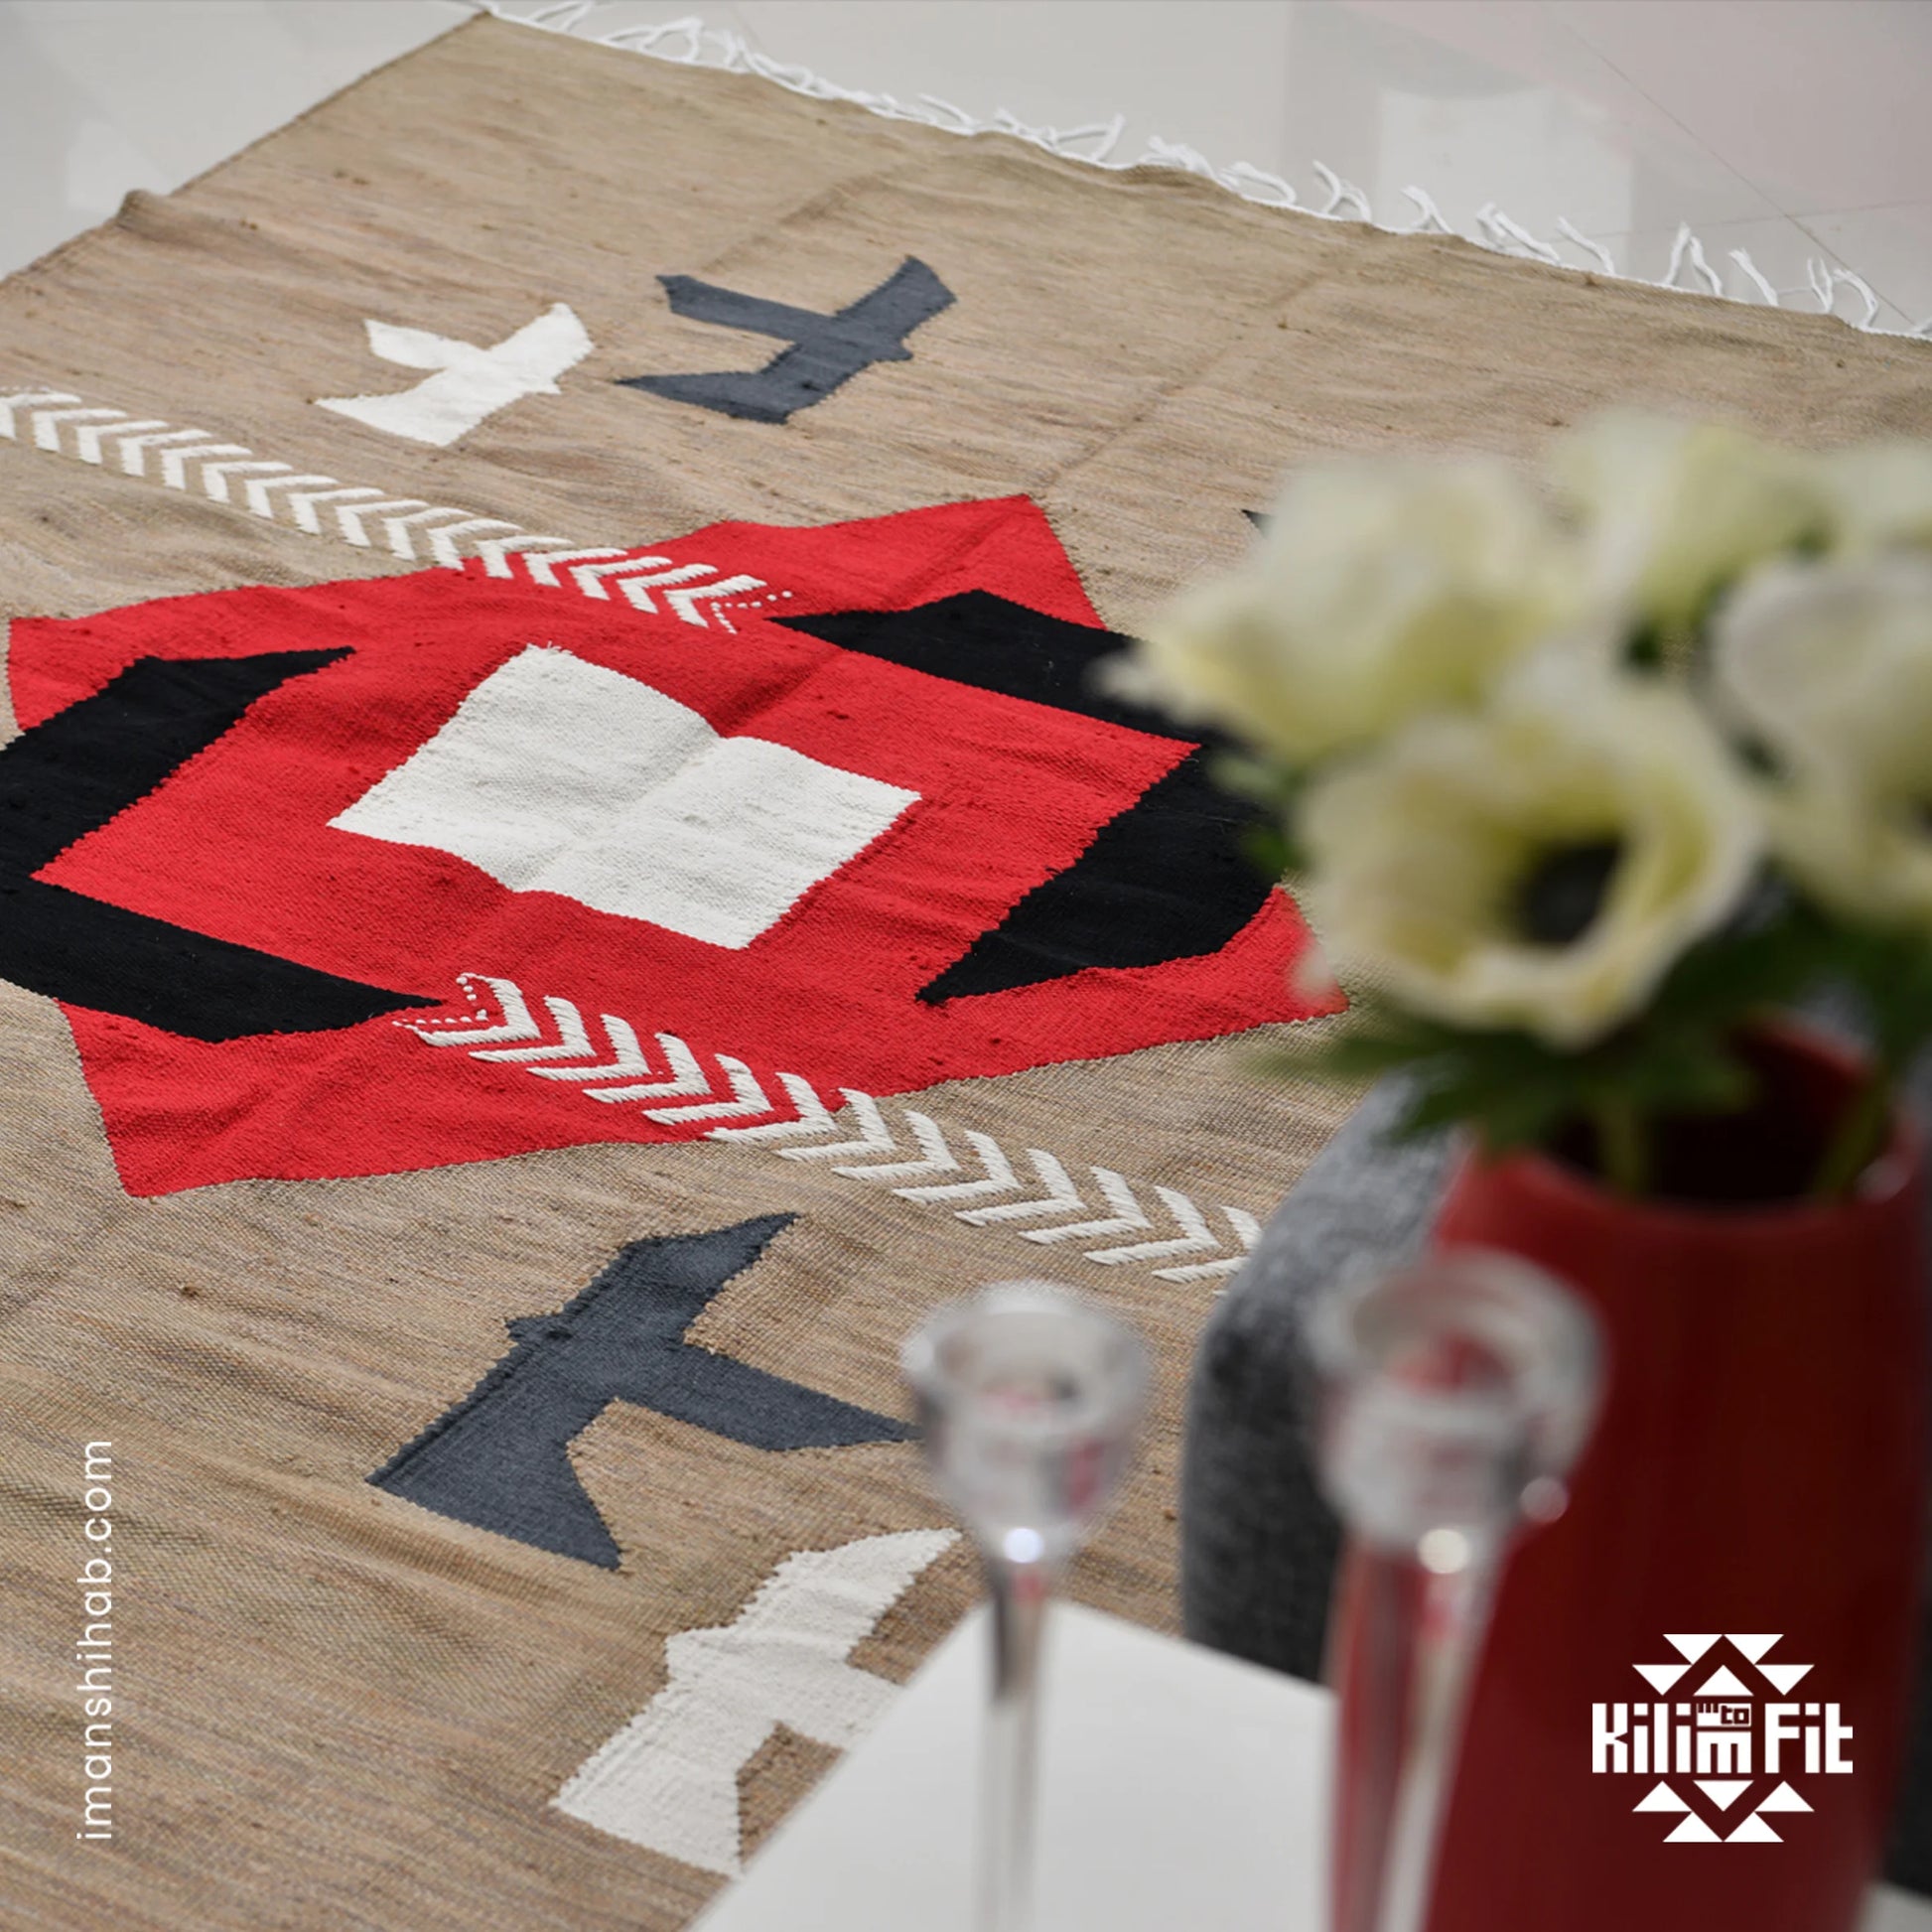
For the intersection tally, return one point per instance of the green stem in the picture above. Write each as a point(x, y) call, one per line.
point(1621, 1146)
point(1855, 1142)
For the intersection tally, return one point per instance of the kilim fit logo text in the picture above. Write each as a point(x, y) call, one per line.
point(1721, 1761)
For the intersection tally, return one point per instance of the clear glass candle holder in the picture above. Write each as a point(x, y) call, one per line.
point(1456, 1395)
point(1030, 1399)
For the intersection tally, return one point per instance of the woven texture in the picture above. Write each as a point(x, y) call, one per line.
point(536, 459)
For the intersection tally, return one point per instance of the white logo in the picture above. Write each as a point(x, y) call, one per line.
point(1724, 1742)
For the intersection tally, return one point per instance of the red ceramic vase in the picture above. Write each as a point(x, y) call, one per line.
point(1758, 1469)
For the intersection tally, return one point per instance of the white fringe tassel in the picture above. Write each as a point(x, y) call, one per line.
point(690, 43)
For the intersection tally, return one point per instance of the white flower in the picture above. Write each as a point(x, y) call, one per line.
point(1879, 495)
point(1540, 864)
point(1828, 669)
point(1382, 588)
point(1673, 512)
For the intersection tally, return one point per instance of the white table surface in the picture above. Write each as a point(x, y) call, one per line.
point(1179, 1788)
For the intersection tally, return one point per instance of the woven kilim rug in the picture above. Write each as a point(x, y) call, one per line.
point(563, 879)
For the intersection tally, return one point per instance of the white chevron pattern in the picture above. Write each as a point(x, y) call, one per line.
point(255, 493)
point(912, 1155)
point(410, 527)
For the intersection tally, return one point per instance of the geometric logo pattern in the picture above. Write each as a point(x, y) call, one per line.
point(1715, 1730)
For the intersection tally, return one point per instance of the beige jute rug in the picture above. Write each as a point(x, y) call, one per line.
point(563, 879)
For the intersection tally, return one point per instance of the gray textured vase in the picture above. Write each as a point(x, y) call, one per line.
point(1258, 1543)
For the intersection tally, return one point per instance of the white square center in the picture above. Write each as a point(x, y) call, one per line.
point(558, 775)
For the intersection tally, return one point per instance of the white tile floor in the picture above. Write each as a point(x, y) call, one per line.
point(1797, 130)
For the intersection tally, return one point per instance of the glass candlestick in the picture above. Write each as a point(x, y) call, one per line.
point(1030, 1399)
point(1456, 1396)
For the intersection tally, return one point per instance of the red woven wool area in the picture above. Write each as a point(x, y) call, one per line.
point(238, 844)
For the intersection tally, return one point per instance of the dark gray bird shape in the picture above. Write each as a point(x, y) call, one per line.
point(498, 1458)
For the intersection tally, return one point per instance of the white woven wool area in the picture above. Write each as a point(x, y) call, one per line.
point(668, 1780)
point(554, 774)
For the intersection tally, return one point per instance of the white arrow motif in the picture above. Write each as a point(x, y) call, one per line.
point(687, 1076)
point(813, 1116)
point(397, 528)
point(349, 518)
point(28, 399)
point(628, 1057)
point(1061, 1195)
point(543, 570)
point(46, 423)
point(1127, 1215)
point(874, 1136)
point(685, 602)
point(518, 1039)
point(303, 502)
point(517, 1022)
point(442, 540)
point(214, 475)
point(255, 491)
point(999, 1178)
point(1247, 1230)
point(747, 1097)
point(173, 463)
point(1196, 1236)
point(573, 1043)
point(587, 574)
point(693, 591)
point(135, 449)
point(933, 1144)
point(86, 440)
point(494, 551)
point(632, 585)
